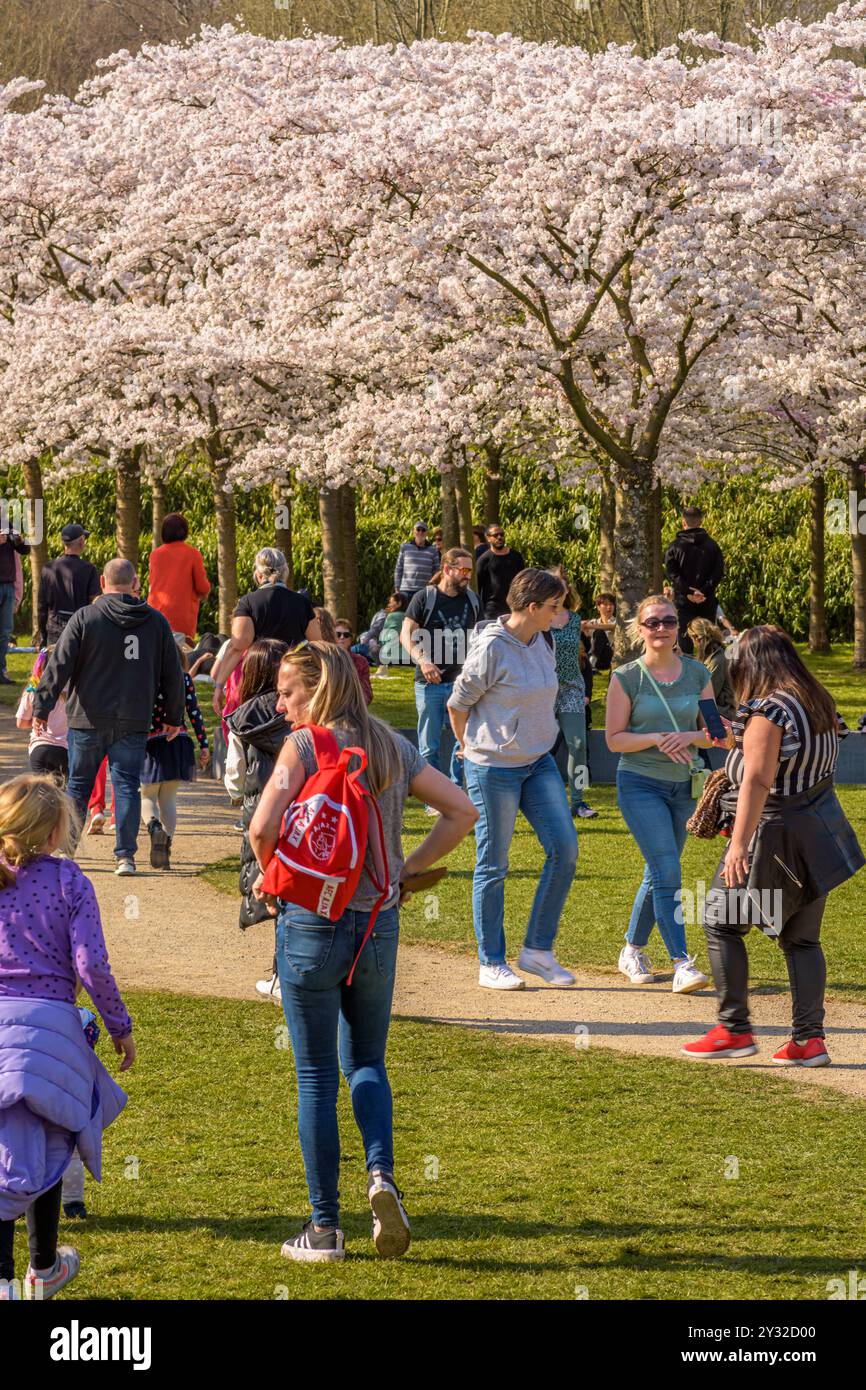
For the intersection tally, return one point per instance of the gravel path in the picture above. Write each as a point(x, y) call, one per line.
point(173, 932)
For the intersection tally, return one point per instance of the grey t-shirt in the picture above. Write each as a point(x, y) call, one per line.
point(391, 803)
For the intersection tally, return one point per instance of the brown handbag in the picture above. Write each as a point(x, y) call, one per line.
point(704, 822)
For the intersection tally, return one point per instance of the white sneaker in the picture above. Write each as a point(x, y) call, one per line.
point(390, 1223)
point(545, 964)
point(270, 989)
point(97, 823)
point(125, 866)
point(687, 977)
point(635, 964)
point(44, 1284)
point(499, 977)
point(430, 811)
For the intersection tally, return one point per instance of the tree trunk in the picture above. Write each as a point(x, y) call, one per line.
point(283, 524)
point(227, 543)
point(333, 574)
point(655, 539)
point(127, 512)
point(857, 511)
point(606, 530)
point(159, 508)
point(633, 564)
point(33, 492)
point(463, 498)
point(492, 486)
point(349, 552)
point(818, 639)
point(450, 523)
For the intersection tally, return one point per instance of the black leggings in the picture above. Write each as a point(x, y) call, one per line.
point(53, 761)
point(43, 1223)
point(799, 940)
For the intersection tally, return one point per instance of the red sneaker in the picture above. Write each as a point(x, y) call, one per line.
point(812, 1053)
point(720, 1043)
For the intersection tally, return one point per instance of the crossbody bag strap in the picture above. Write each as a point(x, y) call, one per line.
point(693, 765)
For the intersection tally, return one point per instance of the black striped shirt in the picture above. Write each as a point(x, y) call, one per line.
point(805, 757)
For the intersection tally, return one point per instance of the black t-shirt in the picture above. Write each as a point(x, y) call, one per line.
point(447, 629)
point(495, 573)
point(276, 611)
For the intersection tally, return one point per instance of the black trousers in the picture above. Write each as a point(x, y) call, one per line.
point(686, 612)
point(727, 921)
point(43, 1223)
point(51, 761)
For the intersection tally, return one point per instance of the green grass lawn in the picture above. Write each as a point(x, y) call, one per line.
point(529, 1171)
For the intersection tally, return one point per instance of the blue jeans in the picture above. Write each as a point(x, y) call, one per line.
point(333, 1025)
point(656, 812)
point(125, 751)
point(7, 620)
point(430, 702)
point(498, 793)
point(573, 726)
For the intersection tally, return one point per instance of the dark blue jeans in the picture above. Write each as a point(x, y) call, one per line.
point(7, 619)
point(336, 1026)
point(125, 752)
point(655, 811)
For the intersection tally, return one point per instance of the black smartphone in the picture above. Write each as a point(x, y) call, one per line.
point(713, 720)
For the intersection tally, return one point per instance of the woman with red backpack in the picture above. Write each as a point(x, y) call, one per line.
point(336, 975)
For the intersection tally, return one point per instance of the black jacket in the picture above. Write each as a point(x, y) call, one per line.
point(67, 584)
point(262, 732)
point(116, 654)
point(804, 846)
point(694, 561)
point(12, 543)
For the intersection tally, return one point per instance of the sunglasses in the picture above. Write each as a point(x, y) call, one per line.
point(461, 569)
point(343, 634)
point(655, 623)
point(497, 535)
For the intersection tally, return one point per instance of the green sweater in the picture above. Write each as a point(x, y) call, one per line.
point(649, 716)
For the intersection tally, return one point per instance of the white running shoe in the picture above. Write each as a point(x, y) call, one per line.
point(125, 866)
point(499, 977)
point(270, 989)
point(635, 963)
point(97, 823)
point(45, 1283)
point(430, 811)
point(390, 1222)
point(545, 964)
point(687, 977)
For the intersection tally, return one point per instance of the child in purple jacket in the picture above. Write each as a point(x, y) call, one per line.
point(54, 1092)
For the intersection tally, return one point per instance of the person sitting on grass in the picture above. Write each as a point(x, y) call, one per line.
point(390, 648)
point(57, 1094)
point(332, 1024)
point(339, 631)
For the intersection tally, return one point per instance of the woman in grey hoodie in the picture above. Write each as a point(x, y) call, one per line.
point(502, 714)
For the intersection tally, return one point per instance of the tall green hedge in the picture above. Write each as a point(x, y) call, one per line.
point(764, 536)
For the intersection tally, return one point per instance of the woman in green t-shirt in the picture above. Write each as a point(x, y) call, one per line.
point(653, 780)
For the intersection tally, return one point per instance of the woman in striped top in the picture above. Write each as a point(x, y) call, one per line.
point(790, 845)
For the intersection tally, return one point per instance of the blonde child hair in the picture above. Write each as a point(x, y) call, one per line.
point(31, 809)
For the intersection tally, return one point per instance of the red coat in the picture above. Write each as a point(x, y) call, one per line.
point(178, 583)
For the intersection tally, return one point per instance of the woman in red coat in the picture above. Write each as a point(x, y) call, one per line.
point(178, 581)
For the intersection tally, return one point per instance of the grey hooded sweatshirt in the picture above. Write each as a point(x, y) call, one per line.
point(509, 688)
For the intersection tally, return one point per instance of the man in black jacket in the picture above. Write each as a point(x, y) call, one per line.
point(116, 655)
point(66, 584)
point(694, 565)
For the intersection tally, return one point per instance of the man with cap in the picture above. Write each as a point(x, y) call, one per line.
point(10, 542)
point(67, 584)
point(417, 562)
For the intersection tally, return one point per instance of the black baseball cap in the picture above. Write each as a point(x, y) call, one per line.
point(72, 532)
point(420, 526)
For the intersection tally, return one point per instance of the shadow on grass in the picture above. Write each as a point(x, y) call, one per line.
point(270, 1232)
point(565, 1028)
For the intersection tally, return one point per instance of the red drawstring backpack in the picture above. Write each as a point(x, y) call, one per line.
point(320, 855)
